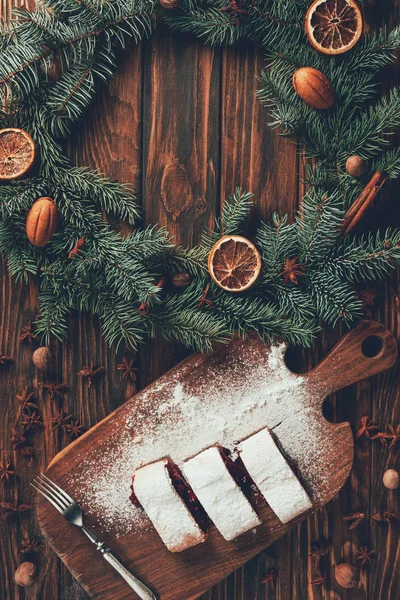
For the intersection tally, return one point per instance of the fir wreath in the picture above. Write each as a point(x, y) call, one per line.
point(50, 62)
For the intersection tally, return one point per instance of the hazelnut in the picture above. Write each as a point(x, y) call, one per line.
point(391, 479)
point(42, 358)
point(346, 575)
point(356, 166)
point(169, 4)
point(25, 574)
point(181, 280)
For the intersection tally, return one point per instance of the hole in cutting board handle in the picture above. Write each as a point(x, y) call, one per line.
point(372, 346)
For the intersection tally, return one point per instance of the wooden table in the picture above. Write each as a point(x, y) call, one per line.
point(178, 108)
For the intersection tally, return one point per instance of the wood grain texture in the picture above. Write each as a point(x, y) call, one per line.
point(323, 473)
point(229, 146)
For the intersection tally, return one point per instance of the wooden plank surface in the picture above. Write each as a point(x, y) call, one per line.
point(83, 469)
point(219, 141)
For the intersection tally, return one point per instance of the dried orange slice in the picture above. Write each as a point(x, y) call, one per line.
point(234, 263)
point(17, 153)
point(333, 26)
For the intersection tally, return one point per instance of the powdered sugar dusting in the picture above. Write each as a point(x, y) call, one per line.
point(169, 514)
point(224, 400)
point(215, 488)
point(273, 476)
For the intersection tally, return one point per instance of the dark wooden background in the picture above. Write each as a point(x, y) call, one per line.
point(181, 123)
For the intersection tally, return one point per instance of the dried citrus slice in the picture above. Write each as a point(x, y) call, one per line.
point(17, 153)
point(234, 263)
point(333, 26)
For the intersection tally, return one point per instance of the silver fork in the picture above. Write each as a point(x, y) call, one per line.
point(74, 514)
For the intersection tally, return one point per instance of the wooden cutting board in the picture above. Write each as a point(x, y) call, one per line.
point(238, 390)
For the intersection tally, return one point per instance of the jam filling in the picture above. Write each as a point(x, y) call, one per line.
point(188, 496)
point(238, 472)
point(184, 491)
point(133, 498)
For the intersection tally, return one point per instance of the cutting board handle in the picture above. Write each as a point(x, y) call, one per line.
point(368, 349)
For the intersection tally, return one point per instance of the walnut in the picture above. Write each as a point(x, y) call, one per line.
point(314, 88)
point(42, 222)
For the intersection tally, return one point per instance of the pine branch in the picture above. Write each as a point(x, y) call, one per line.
point(121, 324)
point(234, 211)
point(318, 225)
point(276, 242)
point(112, 274)
point(115, 198)
point(369, 258)
point(267, 319)
point(333, 299)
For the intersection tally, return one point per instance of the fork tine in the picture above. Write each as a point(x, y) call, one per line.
point(57, 487)
point(49, 498)
point(53, 493)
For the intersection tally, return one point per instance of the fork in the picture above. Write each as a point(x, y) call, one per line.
point(74, 514)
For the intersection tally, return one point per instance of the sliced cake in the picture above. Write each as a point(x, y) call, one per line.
point(273, 476)
point(170, 505)
point(219, 494)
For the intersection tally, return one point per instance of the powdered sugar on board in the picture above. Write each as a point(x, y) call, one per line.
point(246, 389)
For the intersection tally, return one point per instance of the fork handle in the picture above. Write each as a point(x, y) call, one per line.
point(138, 586)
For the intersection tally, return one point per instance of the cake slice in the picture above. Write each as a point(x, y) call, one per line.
point(273, 476)
point(153, 486)
point(219, 494)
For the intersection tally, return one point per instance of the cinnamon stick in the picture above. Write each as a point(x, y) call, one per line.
point(362, 204)
point(144, 306)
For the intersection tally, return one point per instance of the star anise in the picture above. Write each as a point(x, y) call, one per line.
point(127, 369)
point(54, 390)
point(18, 438)
point(5, 472)
point(30, 544)
point(396, 298)
point(204, 300)
point(27, 333)
point(368, 296)
point(61, 421)
point(12, 508)
point(384, 517)
point(235, 8)
point(368, 428)
point(26, 401)
point(291, 270)
point(319, 579)
point(355, 518)
point(90, 372)
point(143, 309)
point(390, 439)
point(74, 429)
point(31, 420)
point(364, 554)
point(27, 452)
point(4, 359)
point(270, 578)
point(319, 548)
point(78, 246)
